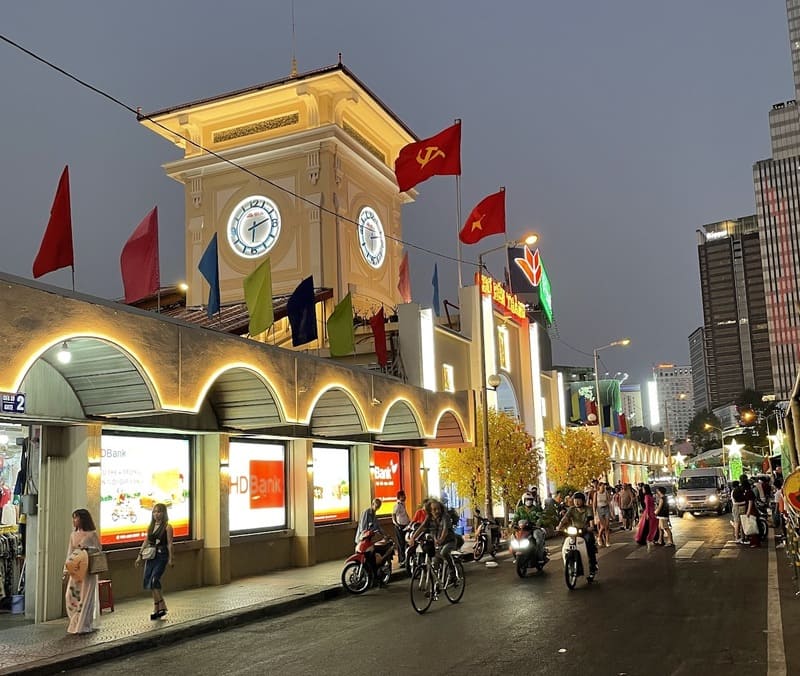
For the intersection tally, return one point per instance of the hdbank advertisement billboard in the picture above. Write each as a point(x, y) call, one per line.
point(387, 478)
point(257, 497)
point(331, 484)
point(136, 472)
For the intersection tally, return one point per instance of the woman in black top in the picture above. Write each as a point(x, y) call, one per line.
point(662, 512)
point(159, 536)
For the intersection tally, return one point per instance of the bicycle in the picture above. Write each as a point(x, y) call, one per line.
point(433, 576)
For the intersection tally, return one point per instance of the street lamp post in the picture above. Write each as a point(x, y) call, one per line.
point(487, 460)
point(622, 342)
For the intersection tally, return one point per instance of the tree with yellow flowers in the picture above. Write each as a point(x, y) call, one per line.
point(575, 456)
point(514, 462)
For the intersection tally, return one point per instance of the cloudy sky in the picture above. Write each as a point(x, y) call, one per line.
point(617, 126)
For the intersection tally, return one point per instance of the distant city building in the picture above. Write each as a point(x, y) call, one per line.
point(675, 400)
point(777, 193)
point(632, 405)
point(735, 336)
point(697, 359)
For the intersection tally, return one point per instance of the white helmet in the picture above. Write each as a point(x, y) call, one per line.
point(528, 497)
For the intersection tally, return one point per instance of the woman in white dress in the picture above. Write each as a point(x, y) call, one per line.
point(81, 596)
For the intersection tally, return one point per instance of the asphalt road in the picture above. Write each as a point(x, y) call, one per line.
point(699, 607)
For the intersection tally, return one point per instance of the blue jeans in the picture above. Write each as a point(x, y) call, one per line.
point(153, 570)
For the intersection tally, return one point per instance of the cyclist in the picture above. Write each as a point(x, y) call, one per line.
point(580, 516)
point(439, 525)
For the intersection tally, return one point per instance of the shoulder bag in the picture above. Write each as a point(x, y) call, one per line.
point(98, 563)
point(147, 552)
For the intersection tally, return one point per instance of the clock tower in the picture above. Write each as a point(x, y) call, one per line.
point(299, 170)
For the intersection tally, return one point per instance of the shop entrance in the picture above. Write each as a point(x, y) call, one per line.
point(15, 481)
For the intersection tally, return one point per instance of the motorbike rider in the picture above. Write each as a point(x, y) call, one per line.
point(530, 512)
point(368, 521)
point(581, 517)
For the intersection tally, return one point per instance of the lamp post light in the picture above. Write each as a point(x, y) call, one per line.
point(617, 343)
point(487, 460)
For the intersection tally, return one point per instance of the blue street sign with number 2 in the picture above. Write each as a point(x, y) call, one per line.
point(12, 402)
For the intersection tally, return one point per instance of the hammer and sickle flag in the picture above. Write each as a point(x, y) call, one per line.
point(487, 218)
point(438, 155)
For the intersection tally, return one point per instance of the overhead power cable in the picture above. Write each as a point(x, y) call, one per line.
point(140, 116)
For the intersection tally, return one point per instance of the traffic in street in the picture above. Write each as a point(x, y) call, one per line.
point(701, 605)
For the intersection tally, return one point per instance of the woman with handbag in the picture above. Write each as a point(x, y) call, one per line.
point(81, 596)
point(156, 552)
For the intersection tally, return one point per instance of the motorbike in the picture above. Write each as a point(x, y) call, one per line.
point(525, 551)
point(576, 558)
point(487, 538)
point(357, 575)
point(763, 518)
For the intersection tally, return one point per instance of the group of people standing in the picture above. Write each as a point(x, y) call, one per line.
point(82, 602)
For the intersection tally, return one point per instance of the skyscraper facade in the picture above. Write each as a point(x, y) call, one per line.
point(777, 195)
point(736, 346)
point(697, 360)
point(675, 400)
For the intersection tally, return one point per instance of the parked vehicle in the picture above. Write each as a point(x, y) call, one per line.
point(357, 575)
point(487, 538)
point(703, 490)
point(576, 558)
point(525, 551)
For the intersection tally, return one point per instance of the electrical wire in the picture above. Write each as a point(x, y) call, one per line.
point(140, 116)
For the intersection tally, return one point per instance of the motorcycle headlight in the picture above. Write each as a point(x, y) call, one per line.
point(572, 531)
point(712, 498)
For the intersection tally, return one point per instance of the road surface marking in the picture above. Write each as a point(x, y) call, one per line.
point(639, 553)
point(776, 655)
point(730, 550)
point(688, 550)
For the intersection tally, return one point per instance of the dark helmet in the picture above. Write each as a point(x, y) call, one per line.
point(577, 495)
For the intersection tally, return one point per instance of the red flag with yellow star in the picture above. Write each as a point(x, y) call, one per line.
point(438, 155)
point(488, 218)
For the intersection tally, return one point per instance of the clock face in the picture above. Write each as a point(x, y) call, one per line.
point(254, 226)
point(371, 239)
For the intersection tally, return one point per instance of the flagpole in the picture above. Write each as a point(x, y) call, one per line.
point(72, 267)
point(460, 220)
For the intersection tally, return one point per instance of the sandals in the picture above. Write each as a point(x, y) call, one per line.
point(159, 612)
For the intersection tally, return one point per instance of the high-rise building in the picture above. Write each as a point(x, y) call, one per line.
point(697, 360)
point(736, 347)
point(675, 400)
point(777, 192)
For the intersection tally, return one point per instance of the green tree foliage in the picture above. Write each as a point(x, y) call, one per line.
point(703, 439)
point(575, 456)
point(514, 462)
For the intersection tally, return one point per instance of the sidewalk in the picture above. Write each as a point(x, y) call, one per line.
point(47, 648)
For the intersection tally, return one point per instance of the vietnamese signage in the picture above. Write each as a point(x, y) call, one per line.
point(507, 301)
point(387, 477)
point(12, 402)
point(331, 484)
point(257, 494)
point(136, 473)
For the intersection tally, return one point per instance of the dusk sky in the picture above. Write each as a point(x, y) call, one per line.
point(618, 128)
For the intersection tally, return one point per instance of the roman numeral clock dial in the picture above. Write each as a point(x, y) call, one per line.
point(254, 226)
point(371, 239)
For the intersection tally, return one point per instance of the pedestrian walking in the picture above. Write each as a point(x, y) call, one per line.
point(750, 510)
point(400, 520)
point(737, 509)
point(81, 596)
point(627, 501)
point(602, 512)
point(156, 552)
point(648, 523)
point(662, 514)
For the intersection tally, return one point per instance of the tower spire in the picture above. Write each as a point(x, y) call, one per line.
point(294, 59)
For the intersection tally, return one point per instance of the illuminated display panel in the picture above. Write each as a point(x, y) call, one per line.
point(257, 496)
point(388, 479)
point(331, 484)
point(136, 472)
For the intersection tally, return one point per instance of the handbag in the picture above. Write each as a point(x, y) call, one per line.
point(98, 563)
point(147, 552)
point(749, 524)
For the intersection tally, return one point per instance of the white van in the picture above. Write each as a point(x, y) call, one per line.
point(703, 490)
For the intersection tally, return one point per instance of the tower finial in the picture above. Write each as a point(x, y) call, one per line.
point(294, 60)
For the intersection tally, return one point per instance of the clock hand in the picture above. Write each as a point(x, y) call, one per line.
point(256, 224)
